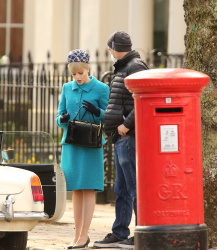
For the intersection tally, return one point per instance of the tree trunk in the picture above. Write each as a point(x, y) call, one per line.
point(201, 55)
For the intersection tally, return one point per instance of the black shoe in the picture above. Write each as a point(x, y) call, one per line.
point(128, 243)
point(109, 241)
point(80, 246)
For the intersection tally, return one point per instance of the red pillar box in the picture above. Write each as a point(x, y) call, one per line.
point(169, 159)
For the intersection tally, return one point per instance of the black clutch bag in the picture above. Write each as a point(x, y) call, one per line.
point(84, 133)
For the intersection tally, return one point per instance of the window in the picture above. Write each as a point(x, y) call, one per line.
point(161, 18)
point(11, 29)
point(161, 13)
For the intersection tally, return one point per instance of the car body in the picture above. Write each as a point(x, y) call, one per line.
point(32, 186)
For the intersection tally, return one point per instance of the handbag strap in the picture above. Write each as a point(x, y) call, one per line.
point(91, 119)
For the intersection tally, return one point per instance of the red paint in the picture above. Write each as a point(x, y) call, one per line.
point(168, 145)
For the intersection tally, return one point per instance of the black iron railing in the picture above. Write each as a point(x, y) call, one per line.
point(29, 96)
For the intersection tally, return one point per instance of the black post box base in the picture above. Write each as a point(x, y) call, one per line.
point(171, 237)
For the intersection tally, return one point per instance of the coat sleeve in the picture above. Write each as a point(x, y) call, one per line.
point(61, 109)
point(103, 102)
point(129, 122)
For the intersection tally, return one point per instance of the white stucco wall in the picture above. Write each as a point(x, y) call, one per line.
point(98, 20)
point(38, 28)
point(89, 25)
point(141, 25)
point(58, 26)
point(47, 26)
point(62, 30)
point(177, 27)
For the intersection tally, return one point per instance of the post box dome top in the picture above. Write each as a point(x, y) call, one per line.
point(166, 80)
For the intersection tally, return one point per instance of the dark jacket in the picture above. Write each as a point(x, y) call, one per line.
point(120, 109)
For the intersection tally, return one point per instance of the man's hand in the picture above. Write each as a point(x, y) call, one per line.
point(122, 130)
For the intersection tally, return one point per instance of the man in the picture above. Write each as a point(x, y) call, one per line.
point(119, 124)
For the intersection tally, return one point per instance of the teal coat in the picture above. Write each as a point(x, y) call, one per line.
point(83, 167)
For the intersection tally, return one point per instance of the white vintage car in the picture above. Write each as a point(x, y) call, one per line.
point(32, 186)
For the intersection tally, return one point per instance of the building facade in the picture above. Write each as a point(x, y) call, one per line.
point(58, 26)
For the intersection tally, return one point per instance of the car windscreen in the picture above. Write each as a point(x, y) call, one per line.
point(24, 147)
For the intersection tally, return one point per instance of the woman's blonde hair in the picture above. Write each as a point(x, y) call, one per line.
point(77, 66)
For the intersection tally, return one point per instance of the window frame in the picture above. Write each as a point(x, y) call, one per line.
point(9, 26)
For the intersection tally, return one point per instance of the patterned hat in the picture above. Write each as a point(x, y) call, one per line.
point(78, 55)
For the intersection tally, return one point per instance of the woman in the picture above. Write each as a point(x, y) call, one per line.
point(82, 166)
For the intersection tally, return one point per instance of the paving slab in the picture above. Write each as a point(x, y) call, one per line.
point(57, 235)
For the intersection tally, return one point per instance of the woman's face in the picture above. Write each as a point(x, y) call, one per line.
point(81, 76)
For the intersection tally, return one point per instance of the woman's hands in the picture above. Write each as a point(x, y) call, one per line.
point(64, 118)
point(91, 108)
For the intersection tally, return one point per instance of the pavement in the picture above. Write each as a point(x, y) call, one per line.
point(58, 235)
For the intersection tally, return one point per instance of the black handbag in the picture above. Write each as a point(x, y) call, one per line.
point(84, 133)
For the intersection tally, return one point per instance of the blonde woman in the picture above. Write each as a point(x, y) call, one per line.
point(82, 166)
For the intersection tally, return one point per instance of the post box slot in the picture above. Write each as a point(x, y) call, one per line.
point(169, 110)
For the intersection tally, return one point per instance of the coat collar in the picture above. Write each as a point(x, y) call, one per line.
point(85, 87)
point(124, 60)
